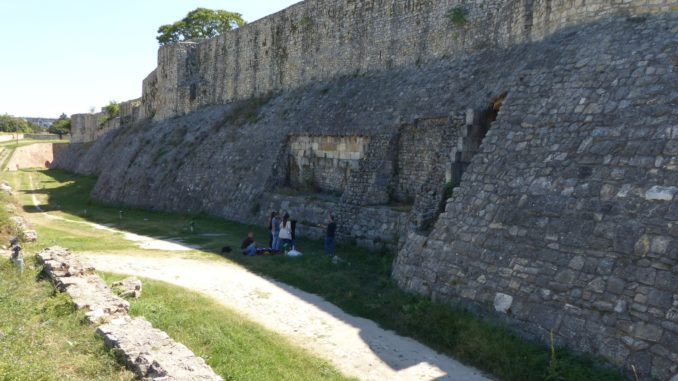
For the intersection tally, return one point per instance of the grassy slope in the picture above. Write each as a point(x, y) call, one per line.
point(233, 346)
point(361, 285)
point(41, 335)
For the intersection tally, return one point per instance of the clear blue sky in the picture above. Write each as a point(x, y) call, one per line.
point(70, 55)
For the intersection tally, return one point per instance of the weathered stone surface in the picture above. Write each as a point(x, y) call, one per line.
point(150, 353)
point(571, 189)
point(502, 302)
point(147, 351)
point(661, 193)
point(30, 235)
point(128, 287)
point(80, 282)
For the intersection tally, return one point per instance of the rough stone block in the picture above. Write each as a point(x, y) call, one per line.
point(502, 302)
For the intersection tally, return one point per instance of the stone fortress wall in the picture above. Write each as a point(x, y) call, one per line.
point(89, 127)
point(318, 40)
point(555, 120)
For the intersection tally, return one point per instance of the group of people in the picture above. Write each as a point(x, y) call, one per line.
point(280, 232)
point(281, 235)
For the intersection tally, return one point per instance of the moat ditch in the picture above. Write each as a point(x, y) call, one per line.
point(360, 284)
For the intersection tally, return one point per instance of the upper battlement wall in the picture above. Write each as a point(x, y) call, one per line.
point(89, 127)
point(317, 40)
point(321, 39)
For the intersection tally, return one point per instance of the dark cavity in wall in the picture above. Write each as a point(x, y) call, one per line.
point(478, 125)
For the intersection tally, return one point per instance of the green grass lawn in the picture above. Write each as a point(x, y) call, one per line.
point(42, 337)
point(361, 285)
point(233, 346)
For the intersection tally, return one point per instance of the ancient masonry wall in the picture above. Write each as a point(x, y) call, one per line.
point(324, 162)
point(149, 352)
point(89, 127)
point(318, 40)
point(567, 219)
point(564, 219)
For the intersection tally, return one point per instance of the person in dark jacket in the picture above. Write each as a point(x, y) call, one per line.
point(275, 231)
point(270, 229)
point(329, 236)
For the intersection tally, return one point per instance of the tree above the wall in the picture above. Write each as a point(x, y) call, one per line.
point(199, 23)
point(61, 126)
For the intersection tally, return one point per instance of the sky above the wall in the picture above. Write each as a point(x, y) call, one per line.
point(71, 55)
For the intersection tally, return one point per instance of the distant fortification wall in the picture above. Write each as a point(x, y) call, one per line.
point(89, 127)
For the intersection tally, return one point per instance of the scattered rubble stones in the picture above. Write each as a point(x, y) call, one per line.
point(149, 352)
point(128, 287)
point(30, 235)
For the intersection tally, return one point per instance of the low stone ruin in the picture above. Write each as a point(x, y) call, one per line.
point(149, 352)
point(128, 287)
point(21, 224)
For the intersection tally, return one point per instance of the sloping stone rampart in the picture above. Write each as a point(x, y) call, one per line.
point(565, 218)
point(149, 352)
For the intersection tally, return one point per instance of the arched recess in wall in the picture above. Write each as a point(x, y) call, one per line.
point(478, 124)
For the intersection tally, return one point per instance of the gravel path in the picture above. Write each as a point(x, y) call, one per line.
point(356, 346)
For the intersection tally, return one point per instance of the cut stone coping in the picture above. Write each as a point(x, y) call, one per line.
point(149, 352)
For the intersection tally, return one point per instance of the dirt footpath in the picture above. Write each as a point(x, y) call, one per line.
point(356, 346)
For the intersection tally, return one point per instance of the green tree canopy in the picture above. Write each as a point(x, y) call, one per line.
point(10, 123)
point(199, 23)
point(112, 109)
point(60, 126)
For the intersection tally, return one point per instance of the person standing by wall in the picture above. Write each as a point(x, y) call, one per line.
point(275, 231)
point(329, 236)
point(270, 230)
point(286, 232)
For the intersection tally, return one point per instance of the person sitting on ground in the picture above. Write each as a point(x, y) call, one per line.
point(248, 246)
point(286, 232)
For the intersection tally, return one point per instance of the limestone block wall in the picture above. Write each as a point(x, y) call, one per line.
point(322, 39)
point(565, 216)
point(566, 220)
point(370, 183)
point(324, 162)
point(423, 147)
point(317, 40)
point(130, 111)
point(89, 127)
point(376, 227)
